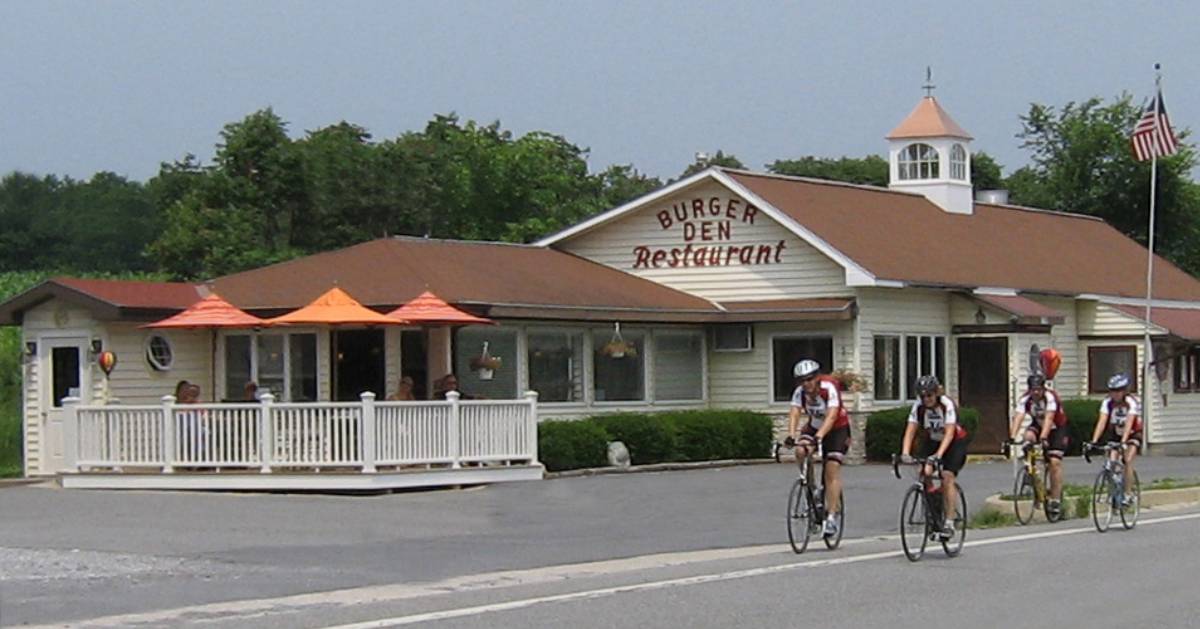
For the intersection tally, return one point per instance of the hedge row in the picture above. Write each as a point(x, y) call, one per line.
point(885, 430)
point(701, 435)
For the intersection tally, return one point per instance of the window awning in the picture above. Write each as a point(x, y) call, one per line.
point(782, 310)
point(1181, 322)
point(1023, 309)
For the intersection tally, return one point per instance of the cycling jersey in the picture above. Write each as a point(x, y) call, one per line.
point(1037, 408)
point(818, 403)
point(1120, 411)
point(936, 420)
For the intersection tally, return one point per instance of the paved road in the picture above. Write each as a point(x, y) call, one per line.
point(72, 554)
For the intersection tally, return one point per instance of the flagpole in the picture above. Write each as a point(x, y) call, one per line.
point(1149, 349)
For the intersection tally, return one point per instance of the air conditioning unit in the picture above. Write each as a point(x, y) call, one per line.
point(733, 338)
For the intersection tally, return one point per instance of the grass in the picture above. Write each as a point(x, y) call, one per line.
point(1173, 483)
point(992, 519)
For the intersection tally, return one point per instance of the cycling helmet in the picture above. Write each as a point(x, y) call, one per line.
point(1118, 381)
point(1036, 381)
point(806, 368)
point(927, 384)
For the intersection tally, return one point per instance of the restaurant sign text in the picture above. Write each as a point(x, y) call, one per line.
point(706, 228)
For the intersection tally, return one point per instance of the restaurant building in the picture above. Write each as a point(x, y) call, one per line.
point(702, 294)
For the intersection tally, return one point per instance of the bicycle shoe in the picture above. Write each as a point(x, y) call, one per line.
point(1055, 507)
point(831, 526)
point(947, 532)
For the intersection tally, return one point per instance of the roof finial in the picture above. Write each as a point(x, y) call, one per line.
point(928, 87)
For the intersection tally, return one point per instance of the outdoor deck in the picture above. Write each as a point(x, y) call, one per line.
point(319, 446)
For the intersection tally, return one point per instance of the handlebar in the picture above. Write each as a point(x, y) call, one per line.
point(921, 461)
point(1089, 448)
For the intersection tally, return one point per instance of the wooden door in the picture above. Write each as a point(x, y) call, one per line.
point(983, 385)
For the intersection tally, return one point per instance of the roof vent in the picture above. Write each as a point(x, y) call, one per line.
point(994, 197)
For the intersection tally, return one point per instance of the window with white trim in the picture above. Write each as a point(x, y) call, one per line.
point(618, 366)
point(159, 354)
point(283, 364)
point(923, 356)
point(787, 351)
point(1187, 371)
point(492, 375)
point(958, 162)
point(555, 361)
point(918, 161)
point(888, 373)
point(1105, 362)
point(678, 365)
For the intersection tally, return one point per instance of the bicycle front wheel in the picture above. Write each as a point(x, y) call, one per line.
point(798, 515)
point(1024, 498)
point(833, 541)
point(914, 527)
point(954, 545)
point(1129, 511)
point(1102, 501)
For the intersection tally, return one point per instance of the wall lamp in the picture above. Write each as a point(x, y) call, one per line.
point(30, 352)
point(97, 347)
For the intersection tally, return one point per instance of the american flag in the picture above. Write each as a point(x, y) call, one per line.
point(1152, 135)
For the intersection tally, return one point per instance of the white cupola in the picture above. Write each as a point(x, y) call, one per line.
point(930, 154)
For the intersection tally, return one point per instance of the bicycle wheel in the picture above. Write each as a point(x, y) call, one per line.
point(914, 529)
point(1129, 512)
point(798, 515)
point(1102, 501)
point(954, 545)
point(835, 540)
point(1024, 498)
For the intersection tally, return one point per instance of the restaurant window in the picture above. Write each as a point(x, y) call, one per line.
point(618, 366)
point(678, 365)
point(1187, 371)
point(485, 361)
point(787, 351)
point(283, 364)
point(1104, 362)
point(924, 355)
point(958, 163)
point(888, 377)
point(556, 365)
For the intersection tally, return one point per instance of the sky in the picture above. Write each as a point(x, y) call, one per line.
point(124, 86)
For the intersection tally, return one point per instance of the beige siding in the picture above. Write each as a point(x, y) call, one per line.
point(134, 381)
point(1068, 382)
point(884, 311)
point(1179, 420)
point(745, 379)
point(964, 309)
point(1097, 319)
point(31, 414)
point(802, 272)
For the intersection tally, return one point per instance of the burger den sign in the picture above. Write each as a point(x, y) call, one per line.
point(704, 232)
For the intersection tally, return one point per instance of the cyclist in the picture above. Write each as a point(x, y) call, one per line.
point(1120, 421)
point(1048, 425)
point(818, 397)
point(945, 442)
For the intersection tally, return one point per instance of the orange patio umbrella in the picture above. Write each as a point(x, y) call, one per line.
point(210, 312)
point(335, 307)
point(429, 309)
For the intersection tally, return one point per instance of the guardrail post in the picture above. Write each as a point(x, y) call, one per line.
point(455, 428)
point(71, 433)
point(168, 434)
point(266, 431)
point(366, 439)
point(531, 428)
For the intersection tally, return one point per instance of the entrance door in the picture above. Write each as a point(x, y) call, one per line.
point(63, 373)
point(983, 385)
point(414, 357)
point(359, 364)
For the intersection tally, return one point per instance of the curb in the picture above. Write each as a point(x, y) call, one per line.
point(1151, 498)
point(658, 467)
point(17, 482)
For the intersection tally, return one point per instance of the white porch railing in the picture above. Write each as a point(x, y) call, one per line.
point(270, 436)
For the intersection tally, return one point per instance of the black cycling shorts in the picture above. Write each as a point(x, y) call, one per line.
point(956, 454)
point(834, 446)
point(1111, 434)
point(1060, 440)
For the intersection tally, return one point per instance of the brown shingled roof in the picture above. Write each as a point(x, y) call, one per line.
point(904, 237)
point(927, 120)
point(1182, 322)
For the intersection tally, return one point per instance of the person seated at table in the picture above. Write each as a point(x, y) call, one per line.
point(404, 392)
point(446, 384)
point(250, 392)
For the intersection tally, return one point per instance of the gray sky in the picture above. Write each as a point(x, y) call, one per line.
point(123, 86)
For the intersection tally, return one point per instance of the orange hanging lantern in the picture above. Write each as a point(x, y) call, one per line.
point(107, 362)
point(1051, 361)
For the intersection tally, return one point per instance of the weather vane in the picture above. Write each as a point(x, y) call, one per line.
point(928, 87)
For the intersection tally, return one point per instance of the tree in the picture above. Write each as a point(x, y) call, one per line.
point(870, 170)
point(1083, 163)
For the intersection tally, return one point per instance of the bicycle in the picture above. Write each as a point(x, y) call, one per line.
point(921, 513)
point(1108, 492)
point(1029, 488)
point(806, 506)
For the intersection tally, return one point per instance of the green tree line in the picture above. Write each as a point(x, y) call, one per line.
point(267, 197)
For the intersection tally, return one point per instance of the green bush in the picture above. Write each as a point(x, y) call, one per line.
point(885, 430)
point(568, 445)
point(710, 435)
point(10, 438)
point(1081, 421)
point(649, 438)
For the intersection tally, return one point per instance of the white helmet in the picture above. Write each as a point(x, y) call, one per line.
point(806, 368)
